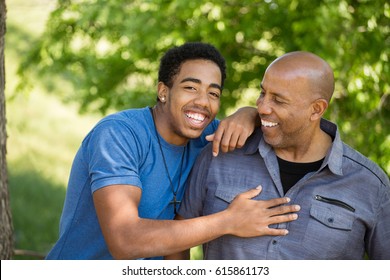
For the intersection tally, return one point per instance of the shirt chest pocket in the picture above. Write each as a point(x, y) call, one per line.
point(221, 198)
point(332, 219)
point(328, 232)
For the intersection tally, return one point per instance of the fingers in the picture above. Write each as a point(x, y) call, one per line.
point(241, 140)
point(275, 231)
point(276, 202)
point(280, 210)
point(233, 137)
point(275, 206)
point(225, 139)
point(217, 136)
point(210, 137)
point(282, 219)
point(229, 142)
point(228, 137)
point(250, 194)
point(251, 217)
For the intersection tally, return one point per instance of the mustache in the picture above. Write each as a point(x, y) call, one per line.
point(198, 109)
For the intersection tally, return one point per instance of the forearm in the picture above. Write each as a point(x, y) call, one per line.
point(130, 237)
point(148, 238)
point(183, 255)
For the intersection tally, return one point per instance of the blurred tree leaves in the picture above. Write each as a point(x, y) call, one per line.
point(109, 51)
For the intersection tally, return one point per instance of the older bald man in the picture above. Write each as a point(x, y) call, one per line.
point(344, 197)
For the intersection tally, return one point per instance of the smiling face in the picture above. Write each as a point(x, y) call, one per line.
point(285, 109)
point(294, 94)
point(191, 103)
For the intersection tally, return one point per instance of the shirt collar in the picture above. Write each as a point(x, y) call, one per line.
point(333, 159)
point(252, 144)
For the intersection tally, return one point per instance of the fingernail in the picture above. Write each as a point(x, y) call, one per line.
point(215, 154)
point(259, 187)
point(288, 199)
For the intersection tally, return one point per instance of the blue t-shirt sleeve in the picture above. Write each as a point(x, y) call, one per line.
point(113, 154)
point(212, 126)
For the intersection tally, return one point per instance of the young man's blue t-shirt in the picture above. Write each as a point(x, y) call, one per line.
point(121, 149)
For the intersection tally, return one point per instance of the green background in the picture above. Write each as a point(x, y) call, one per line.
point(67, 64)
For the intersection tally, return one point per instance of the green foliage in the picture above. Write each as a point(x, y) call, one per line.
point(109, 51)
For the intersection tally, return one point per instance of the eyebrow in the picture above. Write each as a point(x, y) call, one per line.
point(194, 80)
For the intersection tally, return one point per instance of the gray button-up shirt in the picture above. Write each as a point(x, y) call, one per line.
point(345, 205)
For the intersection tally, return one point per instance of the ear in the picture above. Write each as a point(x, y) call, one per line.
point(162, 92)
point(319, 107)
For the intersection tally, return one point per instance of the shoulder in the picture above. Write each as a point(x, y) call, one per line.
point(121, 129)
point(354, 159)
point(131, 119)
point(250, 148)
point(205, 155)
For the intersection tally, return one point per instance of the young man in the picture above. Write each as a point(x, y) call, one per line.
point(344, 197)
point(128, 176)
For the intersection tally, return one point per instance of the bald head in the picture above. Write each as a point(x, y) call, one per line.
point(316, 71)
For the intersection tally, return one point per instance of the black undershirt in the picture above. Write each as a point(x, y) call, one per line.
point(292, 172)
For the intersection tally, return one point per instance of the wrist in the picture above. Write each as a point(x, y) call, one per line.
point(224, 222)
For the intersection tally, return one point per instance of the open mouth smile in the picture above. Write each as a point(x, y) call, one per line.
point(268, 124)
point(196, 120)
point(196, 117)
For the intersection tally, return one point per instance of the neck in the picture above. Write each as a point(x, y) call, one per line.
point(314, 149)
point(164, 128)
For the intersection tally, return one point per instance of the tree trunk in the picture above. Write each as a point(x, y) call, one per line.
point(6, 240)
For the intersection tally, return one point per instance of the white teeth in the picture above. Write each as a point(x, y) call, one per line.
point(196, 116)
point(268, 124)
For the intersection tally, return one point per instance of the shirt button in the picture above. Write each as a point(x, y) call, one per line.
point(274, 242)
point(330, 220)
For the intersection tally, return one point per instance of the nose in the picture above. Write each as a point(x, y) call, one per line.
point(202, 99)
point(263, 106)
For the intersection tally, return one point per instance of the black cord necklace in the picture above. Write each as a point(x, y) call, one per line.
point(175, 202)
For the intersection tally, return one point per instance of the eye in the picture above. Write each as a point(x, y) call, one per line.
point(191, 88)
point(278, 100)
point(215, 94)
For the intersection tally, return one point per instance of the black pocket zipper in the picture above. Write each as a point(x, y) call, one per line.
point(334, 202)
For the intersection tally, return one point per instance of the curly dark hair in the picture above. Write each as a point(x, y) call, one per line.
point(173, 59)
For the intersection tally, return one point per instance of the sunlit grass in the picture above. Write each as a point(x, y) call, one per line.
point(43, 136)
point(36, 206)
point(196, 253)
